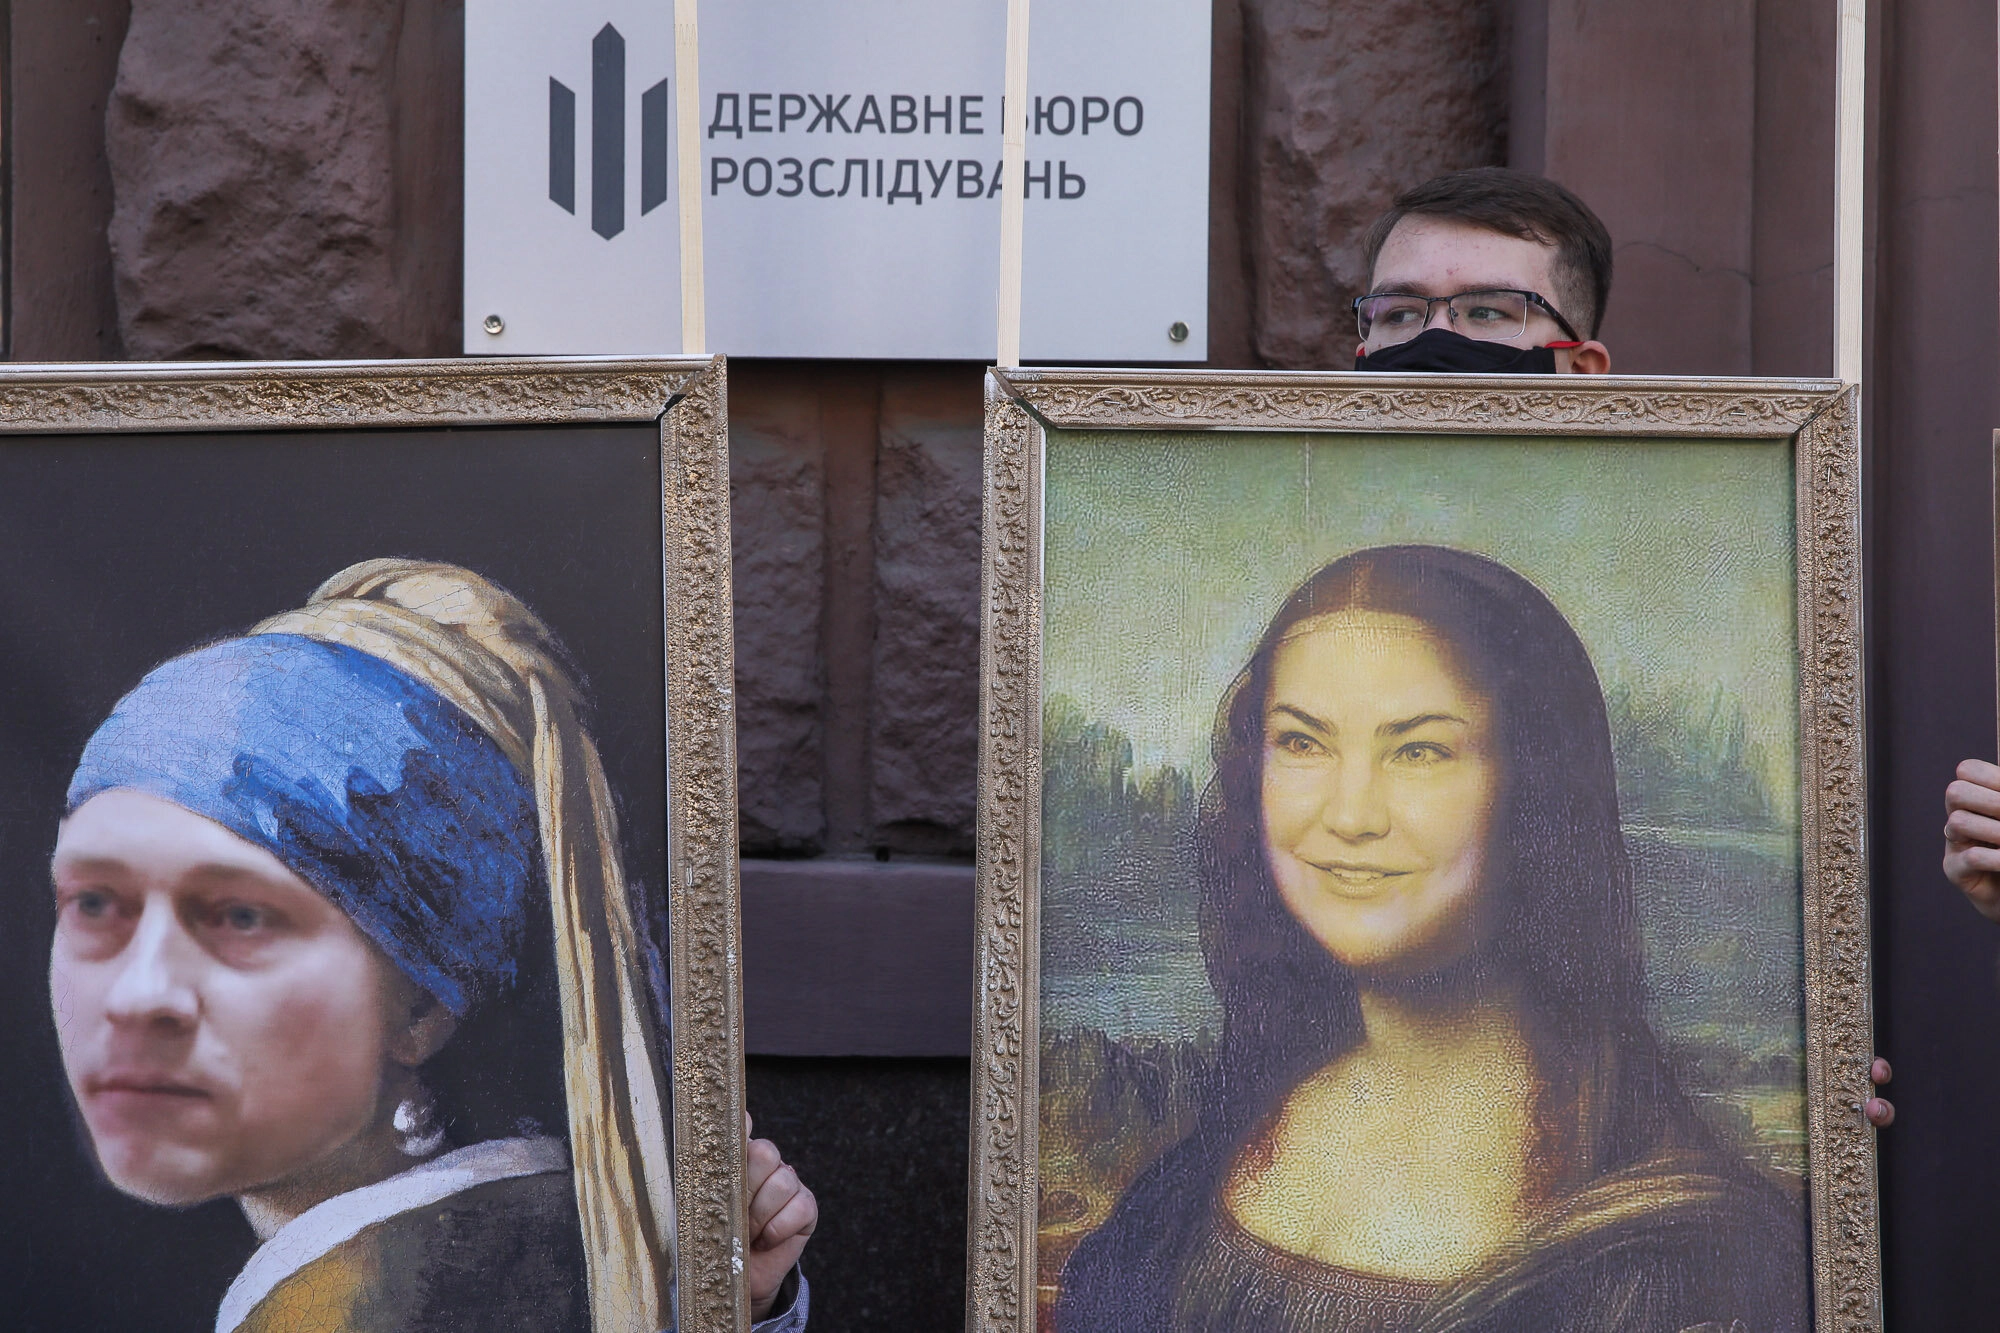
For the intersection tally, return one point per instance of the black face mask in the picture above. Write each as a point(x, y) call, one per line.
point(1442, 349)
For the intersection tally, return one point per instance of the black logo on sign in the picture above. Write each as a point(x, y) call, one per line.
point(607, 139)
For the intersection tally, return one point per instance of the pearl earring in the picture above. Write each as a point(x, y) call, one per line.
point(416, 1119)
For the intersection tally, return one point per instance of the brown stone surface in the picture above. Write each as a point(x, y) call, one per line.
point(850, 425)
point(285, 176)
point(1703, 135)
point(856, 513)
point(776, 478)
point(1228, 265)
point(923, 726)
point(1791, 330)
point(59, 259)
point(1665, 156)
point(1346, 104)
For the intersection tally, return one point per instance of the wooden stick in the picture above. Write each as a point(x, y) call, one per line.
point(687, 73)
point(1013, 181)
point(1849, 212)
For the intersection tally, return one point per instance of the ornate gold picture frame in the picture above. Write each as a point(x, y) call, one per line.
point(1304, 699)
point(153, 509)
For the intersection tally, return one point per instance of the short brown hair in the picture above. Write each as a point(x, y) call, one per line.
point(1515, 203)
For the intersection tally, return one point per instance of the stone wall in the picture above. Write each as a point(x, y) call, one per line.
point(286, 185)
point(856, 511)
point(1707, 148)
point(778, 530)
point(60, 302)
point(284, 178)
point(1346, 105)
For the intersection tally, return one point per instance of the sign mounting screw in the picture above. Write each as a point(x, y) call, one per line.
point(1177, 331)
point(496, 325)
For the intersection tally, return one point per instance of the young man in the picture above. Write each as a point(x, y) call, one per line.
point(1486, 270)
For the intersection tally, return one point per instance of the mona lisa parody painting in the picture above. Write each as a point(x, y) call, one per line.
point(1419, 865)
point(340, 949)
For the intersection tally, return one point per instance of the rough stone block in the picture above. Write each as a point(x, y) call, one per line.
point(1347, 105)
point(776, 521)
point(924, 724)
point(285, 178)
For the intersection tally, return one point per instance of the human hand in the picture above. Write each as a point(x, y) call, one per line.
point(1972, 835)
point(783, 1214)
point(1880, 1111)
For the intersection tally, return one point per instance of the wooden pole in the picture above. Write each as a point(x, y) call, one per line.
point(1013, 181)
point(687, 104)
point(1849, 211)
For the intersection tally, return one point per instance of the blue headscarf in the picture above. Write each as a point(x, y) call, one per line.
point(365, 783)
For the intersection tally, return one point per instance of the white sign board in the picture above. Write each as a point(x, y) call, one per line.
point(849, 178)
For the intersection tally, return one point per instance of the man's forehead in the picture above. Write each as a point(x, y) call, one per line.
point(1439, 256)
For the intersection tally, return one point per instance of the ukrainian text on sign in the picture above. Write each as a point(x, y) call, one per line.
point(850, 179)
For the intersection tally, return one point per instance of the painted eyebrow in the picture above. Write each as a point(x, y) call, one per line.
point(91, 865)
point(1305, 717)
point(214, 872)
point(1410, 724)
point(1400, 728)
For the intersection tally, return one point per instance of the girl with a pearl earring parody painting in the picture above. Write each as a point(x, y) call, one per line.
point(319, 891)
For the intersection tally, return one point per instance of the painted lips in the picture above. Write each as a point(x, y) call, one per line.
point(1359, 877)
point(142, 1089)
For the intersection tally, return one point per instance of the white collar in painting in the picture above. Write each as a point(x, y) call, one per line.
point(343, 1217)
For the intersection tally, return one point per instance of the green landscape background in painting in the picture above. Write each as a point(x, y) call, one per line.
point(1164, 557)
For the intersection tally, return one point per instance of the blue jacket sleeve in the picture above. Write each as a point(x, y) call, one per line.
point(788, 1316)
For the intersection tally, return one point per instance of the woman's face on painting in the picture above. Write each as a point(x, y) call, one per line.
point(1379, 786)
point(223, 1026)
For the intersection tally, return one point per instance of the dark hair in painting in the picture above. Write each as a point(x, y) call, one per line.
point(501, 1073)
point(1568, 933)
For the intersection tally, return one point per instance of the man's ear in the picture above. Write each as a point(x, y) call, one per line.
point(1591, 358)
point(419, 1026)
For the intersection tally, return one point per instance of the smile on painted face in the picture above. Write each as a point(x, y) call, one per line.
point(223, 1026)
point(1379, 785)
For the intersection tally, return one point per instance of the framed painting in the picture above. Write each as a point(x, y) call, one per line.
point(1421, 858)
point(352, 905)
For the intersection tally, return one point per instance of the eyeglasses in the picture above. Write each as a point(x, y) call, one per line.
point(1493, 315)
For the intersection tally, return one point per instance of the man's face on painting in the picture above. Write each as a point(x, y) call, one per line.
point(223, 1025)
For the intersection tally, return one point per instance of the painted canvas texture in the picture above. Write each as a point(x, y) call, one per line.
point(286, 717)
point(1421, 927)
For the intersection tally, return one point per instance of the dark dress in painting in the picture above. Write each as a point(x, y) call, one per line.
point(507, 1254)
point(482, 1238)
point(1676, 1244)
